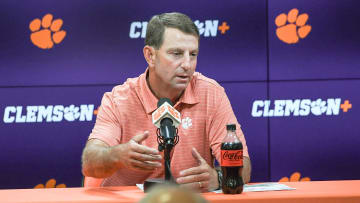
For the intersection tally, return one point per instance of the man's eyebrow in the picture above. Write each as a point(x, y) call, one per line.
point(175, 49)
point(180, 49)
point(195, 50)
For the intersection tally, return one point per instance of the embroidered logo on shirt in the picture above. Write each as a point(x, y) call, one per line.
point(186, 123)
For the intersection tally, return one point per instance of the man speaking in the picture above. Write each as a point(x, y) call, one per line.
point(122, 148)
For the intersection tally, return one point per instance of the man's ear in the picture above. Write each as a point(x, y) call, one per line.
point(149, 54)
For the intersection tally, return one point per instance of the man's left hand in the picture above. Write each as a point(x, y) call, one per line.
point(203, 177)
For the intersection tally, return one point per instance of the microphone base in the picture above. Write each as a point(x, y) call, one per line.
point(150, 183)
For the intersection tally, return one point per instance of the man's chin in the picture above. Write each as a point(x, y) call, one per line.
point(180, 86)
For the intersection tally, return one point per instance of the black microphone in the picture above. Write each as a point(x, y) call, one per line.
point(167, 128)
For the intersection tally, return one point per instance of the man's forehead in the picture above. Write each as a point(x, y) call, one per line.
point(175, 38)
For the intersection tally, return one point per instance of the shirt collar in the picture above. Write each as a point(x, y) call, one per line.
point(150, 101)
point(189, 96)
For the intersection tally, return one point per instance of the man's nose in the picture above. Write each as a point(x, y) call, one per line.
point(186, 62)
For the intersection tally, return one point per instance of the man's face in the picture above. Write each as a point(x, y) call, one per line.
point(175, 61)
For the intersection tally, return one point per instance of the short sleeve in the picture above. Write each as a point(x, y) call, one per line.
point(107, 126)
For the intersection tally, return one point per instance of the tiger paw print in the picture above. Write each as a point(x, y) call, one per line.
point(290, 33)
point(49, 33)
point(295, 177)
point(71, 113)
point(50, 184)
point(186, 123)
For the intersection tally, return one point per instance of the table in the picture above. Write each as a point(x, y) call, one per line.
point(313, 191)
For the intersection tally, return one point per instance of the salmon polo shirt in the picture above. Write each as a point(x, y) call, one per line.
point(205, 110)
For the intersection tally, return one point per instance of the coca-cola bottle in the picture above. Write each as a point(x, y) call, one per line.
point(231, 162)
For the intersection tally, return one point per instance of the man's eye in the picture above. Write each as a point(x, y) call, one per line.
point(194, 54)
point(177, 53)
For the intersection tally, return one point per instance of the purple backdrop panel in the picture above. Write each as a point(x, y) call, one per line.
point(43, 131)
point(330, 50)
point(314, 129)
point(104, 40)
point(240, 54)
point(242, 96)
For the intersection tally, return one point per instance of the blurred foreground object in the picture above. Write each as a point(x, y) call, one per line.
point(173, 194)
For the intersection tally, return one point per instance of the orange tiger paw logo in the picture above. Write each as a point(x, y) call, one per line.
point(46, 31)
point(295, 28)
point(295, 177)
point(50, 184)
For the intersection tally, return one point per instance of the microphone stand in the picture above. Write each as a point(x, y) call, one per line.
point(167, 145)
point(167, 160)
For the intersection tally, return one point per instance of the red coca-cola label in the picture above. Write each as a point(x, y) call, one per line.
point(231, 158)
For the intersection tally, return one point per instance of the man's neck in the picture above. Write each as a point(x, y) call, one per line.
point(174, 96)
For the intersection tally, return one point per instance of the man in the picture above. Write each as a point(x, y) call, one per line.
point(122, 147)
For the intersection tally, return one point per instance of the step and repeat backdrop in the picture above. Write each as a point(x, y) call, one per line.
point(291, 70)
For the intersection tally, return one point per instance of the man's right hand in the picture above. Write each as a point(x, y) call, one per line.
point(135, 156)
point(100, 160)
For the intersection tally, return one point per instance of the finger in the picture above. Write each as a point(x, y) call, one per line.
point(196, 186)
point(144, 149)
point(144, 157)
point(193, 178)
point(154, 163)
point(148, 165)
point(192, 171)
point(197, 156)
point(141, 137)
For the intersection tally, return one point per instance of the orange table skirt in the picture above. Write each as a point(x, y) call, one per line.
point(313, 191)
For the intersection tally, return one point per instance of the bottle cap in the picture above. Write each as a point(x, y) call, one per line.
point(230, 127)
